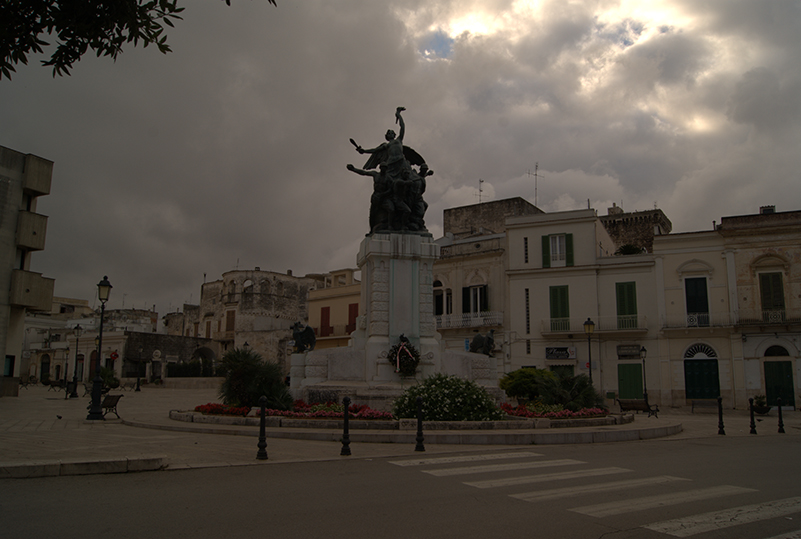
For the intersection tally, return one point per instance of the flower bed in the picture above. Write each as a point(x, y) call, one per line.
point(522, 411)
point(301, 410)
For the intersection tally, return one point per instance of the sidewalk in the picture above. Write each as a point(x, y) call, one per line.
point(35, 442)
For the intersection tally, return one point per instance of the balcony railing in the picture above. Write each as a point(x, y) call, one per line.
point(698, 320)
point(637, 322)
point(774, 316)
point(469, 320)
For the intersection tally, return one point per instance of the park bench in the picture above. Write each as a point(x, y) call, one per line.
point(56, 385)
point(638, 405)
point(109, 404)
point(703, 403)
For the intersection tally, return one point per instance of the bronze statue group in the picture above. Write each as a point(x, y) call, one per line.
point(397, 203)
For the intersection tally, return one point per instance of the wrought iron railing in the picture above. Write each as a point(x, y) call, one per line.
point(469, 320)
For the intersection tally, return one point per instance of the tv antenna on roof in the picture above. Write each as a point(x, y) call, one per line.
point(480, 189)
point(536, 177)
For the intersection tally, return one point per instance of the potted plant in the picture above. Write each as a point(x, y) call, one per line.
point(761, 405)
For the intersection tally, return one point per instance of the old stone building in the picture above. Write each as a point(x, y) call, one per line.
point(334, 308)
point(637, 228)
point(252, 307)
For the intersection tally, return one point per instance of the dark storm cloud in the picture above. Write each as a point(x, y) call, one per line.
point(231, 151)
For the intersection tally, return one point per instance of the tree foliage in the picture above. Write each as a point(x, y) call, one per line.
point(447, 398)
point(103, 26)
point(527, 383)
point(248, 377)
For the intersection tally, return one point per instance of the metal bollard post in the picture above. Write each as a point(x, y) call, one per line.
point(345, 436)
point(781, 423)
point(751, 407)
point(262, 454)
point(419, 438)
point(720, 417)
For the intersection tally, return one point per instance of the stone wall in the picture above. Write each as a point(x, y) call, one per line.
point(637, 228)
point(485, 218)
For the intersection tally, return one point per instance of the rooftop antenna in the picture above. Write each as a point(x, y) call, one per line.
point(480, 189)
point(536, 177)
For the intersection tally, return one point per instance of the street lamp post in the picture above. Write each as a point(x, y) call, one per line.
point(643, 353)
point(589, 327)
point(74, 395)
point(95, 410)
point(139, 367)
point(66, 373)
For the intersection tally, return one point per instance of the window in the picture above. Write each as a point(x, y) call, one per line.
point(474, 299)
point(560, 308)
point(557, 250)
point(626, 305)
point(208, 329)
point(448, 301)
point(325, 322)
point(230, 320)
point(439, 306)
point(772, 295)
point(525, 250)
point(353, 314)
point(697, 302)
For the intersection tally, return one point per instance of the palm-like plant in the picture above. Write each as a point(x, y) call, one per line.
point(248, 377)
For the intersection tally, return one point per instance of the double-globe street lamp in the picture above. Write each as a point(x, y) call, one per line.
point(589, 327)
point(78, 331)
point(95, 410)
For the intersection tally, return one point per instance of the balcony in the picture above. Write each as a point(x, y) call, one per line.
point(698, 320)
point(769, 317)
point(628, 323)
point(31, 290)
point(38, 175)
point(31, 231)
point(469, 320)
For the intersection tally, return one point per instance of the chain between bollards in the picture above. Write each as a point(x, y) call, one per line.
point(721, 431)
point(345, 436)
point(751, 407)
point(781, 423)
point(419, 438)
point(262, 454)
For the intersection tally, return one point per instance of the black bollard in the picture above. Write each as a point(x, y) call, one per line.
point(720, 417)
point(419, 438)
point(345, 436)
point(262, 454)
point(751, 407)
point(781, 423)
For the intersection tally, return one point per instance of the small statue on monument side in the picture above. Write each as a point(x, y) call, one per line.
point(483, 344)
point(304, 337)
point(397, 203)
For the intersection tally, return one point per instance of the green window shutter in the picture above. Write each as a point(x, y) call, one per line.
point(484, 298)
point(560, 305)
point(546, 251)
point(465, 300)
point(568, 249)
point(626, 305)
point(772, 292)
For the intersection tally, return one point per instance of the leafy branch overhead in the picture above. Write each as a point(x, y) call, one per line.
point(103, 26)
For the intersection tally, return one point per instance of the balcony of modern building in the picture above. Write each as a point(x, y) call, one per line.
point(469, 320)
point(636, 323)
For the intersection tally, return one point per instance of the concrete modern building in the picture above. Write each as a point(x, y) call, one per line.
point(23, 178)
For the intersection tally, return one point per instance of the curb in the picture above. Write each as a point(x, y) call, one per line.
point(70, 467)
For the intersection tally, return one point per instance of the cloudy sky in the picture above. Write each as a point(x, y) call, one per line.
point(231, 151)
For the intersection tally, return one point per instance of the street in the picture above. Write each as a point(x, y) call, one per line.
point(615, 491)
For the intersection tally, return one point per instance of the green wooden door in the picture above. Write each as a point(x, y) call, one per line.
point(701, 379)
point(779, 382)
point(629, 381)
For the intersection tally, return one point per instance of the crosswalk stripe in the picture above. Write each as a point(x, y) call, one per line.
point(465, 458)
point(661, 500)
point(685, 527)
point(597, 487)
point(442, 472)
point(541, 478)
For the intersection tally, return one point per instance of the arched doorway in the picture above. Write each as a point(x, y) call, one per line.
point(779, 377)
point(701, 379)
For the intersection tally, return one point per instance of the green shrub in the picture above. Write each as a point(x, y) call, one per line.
point(572, 392)
point(447, 398)
point(109, 380)
point(248, 377)
point(527, 383)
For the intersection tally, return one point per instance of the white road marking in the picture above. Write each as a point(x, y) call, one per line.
point(661, 500)
point(466, 458)
point(541, 478)
point(596, 487)
point(790, 535)
point(685, 527)
point(442, 472)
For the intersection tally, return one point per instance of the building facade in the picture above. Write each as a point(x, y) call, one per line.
point(334, 308)
point(23, 178)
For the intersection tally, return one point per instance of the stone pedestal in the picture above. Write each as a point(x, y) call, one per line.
point(398, 300)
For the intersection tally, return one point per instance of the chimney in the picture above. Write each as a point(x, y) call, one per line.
point(767, 209)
